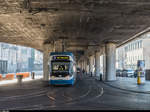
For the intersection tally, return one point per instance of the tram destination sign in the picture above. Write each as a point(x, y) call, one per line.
point(61, 57)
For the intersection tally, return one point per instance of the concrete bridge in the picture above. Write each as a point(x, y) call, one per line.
point(88, 28)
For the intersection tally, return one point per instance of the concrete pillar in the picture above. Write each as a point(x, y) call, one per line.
point(110, 61)
point(85, 65)
point(93, 69)
point(88, 68)
point(81, 65)
point(104, 62)
point(97, 64)
point(46, 51)
point(91, 65)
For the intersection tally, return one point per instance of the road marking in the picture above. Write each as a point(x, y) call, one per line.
point(50, 97)
point(102, 91)
point(24, 96)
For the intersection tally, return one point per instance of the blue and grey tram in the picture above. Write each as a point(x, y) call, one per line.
point(62, 68)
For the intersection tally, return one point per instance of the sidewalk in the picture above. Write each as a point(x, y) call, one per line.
point(5, 82)
point(130, 84)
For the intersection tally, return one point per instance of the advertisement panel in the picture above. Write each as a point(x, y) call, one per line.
point(141, 72)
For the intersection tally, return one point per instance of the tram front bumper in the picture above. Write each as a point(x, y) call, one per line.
point(62, 82)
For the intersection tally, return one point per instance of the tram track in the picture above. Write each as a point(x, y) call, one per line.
point(19, 97)
point(72, 101)
point(91, 95)
point(81, 98)
point(60, 96)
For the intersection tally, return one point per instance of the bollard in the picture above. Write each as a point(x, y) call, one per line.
point(19, 77)
point(138, 78)
point(33, 74)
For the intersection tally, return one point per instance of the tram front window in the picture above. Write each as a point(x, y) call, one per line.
point(60, 67)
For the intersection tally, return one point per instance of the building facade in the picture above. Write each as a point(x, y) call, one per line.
point(129, 54)
point(18, 58)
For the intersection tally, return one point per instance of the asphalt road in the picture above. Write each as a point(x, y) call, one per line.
point(86, 94)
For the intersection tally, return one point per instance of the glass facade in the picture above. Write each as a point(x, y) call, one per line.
point(19, 59)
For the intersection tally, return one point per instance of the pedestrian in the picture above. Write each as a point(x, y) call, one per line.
point(83, 71)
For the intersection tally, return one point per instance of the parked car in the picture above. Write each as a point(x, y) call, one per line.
point(128, 73)
point(124, 73)
point(118, 72)
point(135, 73)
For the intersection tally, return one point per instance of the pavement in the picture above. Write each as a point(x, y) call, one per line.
point(86, 94)
point(38, 75)
point(130, 84)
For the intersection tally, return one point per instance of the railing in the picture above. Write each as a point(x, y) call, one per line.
point(11, 76)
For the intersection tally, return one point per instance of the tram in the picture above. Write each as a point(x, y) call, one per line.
point(62, 68)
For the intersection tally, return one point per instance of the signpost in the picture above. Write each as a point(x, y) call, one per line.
point(141, 72)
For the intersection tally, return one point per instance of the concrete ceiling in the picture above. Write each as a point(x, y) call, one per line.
point(81, 23)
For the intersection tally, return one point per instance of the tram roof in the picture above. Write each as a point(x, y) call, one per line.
point(62, 53)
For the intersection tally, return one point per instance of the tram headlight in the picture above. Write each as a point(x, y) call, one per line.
point(52, 77)
point(67, 77)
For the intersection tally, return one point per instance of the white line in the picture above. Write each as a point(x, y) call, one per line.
point(102, 91)
point(22, 96)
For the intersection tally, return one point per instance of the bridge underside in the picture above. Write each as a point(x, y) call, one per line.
point(81, 25)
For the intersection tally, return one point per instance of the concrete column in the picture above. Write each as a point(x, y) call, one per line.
point(104, 62)
point(81, 65)
point(85, 65)
point(93, 69)
point(110, 61)
point(97, 64)
point(91, 65)
point(46, 51)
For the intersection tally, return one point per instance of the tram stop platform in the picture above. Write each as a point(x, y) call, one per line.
point(130, 84)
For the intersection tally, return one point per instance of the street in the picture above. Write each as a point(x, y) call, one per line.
point(86, 94)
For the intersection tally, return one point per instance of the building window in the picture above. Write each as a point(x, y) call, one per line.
point(136, 45)
point(125, 49)
point(140, 43)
